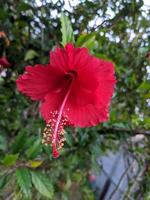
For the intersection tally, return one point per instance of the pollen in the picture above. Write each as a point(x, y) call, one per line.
point(56, 140)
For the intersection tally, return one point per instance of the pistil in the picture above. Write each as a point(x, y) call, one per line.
point(54, 132)
point(55, 135)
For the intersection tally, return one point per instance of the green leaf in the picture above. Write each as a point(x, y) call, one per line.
point(86, 40)
point(23, 6)
point(34, 150)
point(69, 139)
point(3, 143)
point(3, 181)
point(42, 184)
point(10, 159)
point(144, 86)
point(24, 181)
point(30, 55)
point(19, 143)
point(66, 29)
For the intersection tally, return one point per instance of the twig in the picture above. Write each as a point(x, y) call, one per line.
point(127, 130)
point(135, 184)
point(121, 178)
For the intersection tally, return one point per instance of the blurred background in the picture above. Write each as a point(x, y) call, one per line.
point(110, 161)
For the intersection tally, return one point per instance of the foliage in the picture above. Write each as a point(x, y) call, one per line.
point(24, 180)
point(66, 29)
point(115, 30)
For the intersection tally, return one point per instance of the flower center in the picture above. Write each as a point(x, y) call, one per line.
point(71, 74)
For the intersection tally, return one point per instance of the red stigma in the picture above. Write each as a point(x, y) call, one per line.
point(55, 151)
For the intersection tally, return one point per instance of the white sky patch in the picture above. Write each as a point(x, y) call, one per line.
point(76, 2)
point(148, 102)
point(146, 4)
point(54, 13)
point(70, 4)
point(67, 6)
point(96, 22)
point(110, 13)
point(145, 8)
point(148, 72)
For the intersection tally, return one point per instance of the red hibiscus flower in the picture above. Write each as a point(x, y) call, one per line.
point(3, 63)
point(75, 89)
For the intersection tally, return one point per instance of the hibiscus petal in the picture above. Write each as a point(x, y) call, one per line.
point(89, 107)
point(38, 81)
point(59, 59)
point(88, 115)
point(85, 65)
point(106, 69)
point(80, 96)
point(51, 103)
point(107, 82)
point(86, 108)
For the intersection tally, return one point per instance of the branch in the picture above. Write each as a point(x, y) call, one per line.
point(121, 179)
point(108, 23)
point(126, 130)
point(135, 184)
